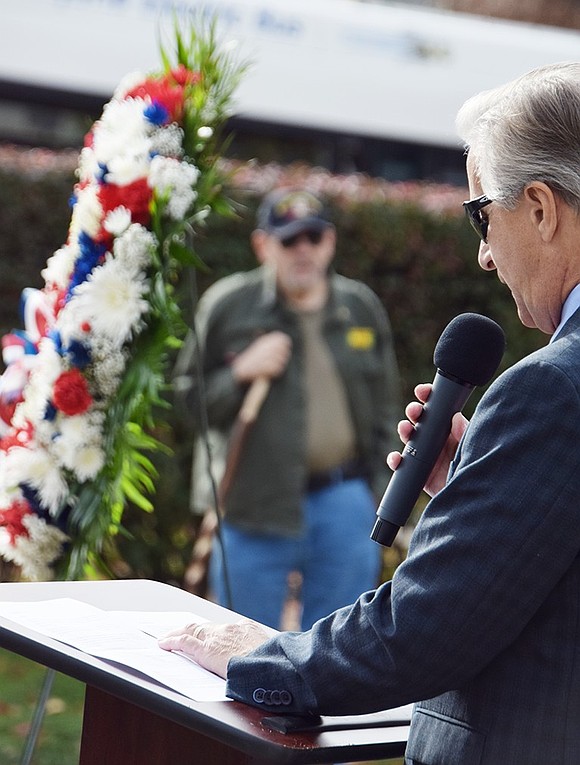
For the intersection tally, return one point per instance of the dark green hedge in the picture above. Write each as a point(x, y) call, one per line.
point(410, 244)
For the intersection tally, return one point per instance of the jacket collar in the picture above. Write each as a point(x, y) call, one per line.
point(570, 307)
point(270, 298)
point(570, 325)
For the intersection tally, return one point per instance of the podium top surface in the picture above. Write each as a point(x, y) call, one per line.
point(236, 724)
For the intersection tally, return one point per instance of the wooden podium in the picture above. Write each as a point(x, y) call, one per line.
point(130, 719)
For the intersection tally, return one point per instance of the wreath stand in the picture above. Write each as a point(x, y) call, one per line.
point(32, 736)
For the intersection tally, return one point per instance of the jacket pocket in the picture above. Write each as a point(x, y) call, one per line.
point(435, 739)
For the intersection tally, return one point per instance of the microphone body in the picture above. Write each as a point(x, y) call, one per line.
point(419, 456)
point(467, 354)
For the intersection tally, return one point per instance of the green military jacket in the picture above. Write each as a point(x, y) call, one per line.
point(269, 482)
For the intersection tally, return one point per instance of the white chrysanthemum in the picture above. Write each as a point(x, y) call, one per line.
point(79, 452)
point(122, 127)
point(168, 141)
point(14, 466)
point(68, 323)
point(135, 248)
point(38, 390)
point(37, 468)
point(47, 368)
point(126, 168)
point(60, 265)
point(88, 167)
point(111, 300)
point(127, 84)
point(81, 428)
point(28, 411)
point(87, 213)
point(44, 433)
point(86, 462)
point(46, 477)
point(117, 220)
point(36, 553)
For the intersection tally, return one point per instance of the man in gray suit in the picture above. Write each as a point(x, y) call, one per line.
point(481, 623)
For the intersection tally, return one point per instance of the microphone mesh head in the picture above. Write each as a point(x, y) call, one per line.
point(470, 348)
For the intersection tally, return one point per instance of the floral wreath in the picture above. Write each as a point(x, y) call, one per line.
point(85, 376)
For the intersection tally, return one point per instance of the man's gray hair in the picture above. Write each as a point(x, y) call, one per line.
point(527, 130)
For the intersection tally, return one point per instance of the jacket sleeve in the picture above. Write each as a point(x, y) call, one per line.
point(221, 393)
point(487, 554)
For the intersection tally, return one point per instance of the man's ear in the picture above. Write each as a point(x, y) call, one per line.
point(258, 240)
point(544, 208)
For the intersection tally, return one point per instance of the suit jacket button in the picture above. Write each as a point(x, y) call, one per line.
point(285, 697)
point(258, 695)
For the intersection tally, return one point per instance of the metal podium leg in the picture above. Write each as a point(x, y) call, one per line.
point(36, 724)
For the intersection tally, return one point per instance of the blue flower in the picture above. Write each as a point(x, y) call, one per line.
point(31, 496)
point(78, 353)
point(54, 335)
point(101, 173)
point(91, 252)
point(157, 114)
point(50, 412)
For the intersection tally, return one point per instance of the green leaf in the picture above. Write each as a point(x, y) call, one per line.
point(186, 256)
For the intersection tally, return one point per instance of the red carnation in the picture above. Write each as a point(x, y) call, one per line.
point(165, 92)
point(71, 394)
point(134, 196)
point(11, 519)
point(184, 76)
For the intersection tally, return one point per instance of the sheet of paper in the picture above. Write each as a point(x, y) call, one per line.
point(124, 637)
point(158, 623)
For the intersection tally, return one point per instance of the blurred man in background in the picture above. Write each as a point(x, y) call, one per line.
point(301, 497)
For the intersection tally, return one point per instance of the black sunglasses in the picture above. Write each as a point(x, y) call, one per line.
point(478, 219)
point(314, 237)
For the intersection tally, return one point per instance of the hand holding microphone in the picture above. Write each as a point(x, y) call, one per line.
point(406, 429)
point(467, 354)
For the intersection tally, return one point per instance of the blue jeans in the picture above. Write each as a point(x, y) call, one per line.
point(335, 555)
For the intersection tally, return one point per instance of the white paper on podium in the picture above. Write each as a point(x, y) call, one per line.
point(123, 637)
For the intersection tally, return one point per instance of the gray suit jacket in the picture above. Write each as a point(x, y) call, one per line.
point(481, 623)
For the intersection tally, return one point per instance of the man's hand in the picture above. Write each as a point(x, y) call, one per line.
point(267, 356)
point(213, 645)
point(438, 477)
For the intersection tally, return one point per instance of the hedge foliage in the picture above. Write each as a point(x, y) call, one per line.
point(409, 242)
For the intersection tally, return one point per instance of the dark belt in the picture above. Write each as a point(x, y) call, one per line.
point(345, 472)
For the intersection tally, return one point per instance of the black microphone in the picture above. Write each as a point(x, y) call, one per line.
point(467, 354)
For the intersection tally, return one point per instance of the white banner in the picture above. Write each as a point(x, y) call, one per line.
point(391, 71)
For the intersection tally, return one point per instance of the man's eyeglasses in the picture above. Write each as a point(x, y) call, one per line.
point(477, 218)
point(314, 237)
